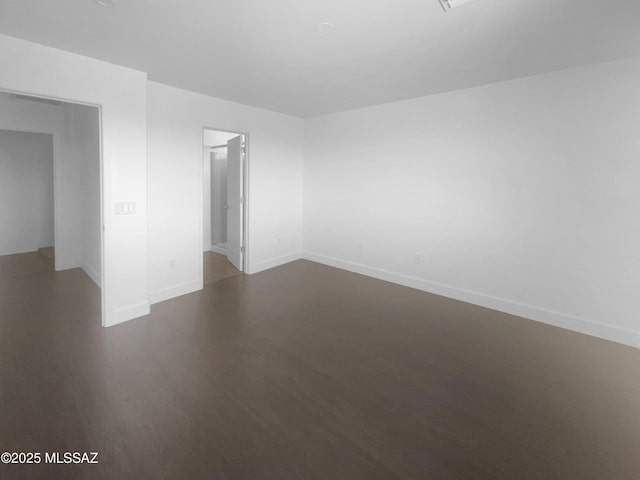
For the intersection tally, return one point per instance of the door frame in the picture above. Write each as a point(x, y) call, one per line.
point(57, 138)
point(246, 194)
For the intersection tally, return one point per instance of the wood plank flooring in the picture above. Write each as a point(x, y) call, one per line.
point(12, 266)
point(308, 372)
point(217, 267)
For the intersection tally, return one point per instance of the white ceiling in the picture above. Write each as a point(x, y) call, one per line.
point(267, 53)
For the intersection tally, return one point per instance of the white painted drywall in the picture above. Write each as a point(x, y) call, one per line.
point(175, 122)
point(206, 200)
point(32, 116)
point(218, 219)
point(36, 69)
point(522, 196)
point(81, 161)
point(70, 199)
point(214, 227)
point(214, 218)
point(28, 115)
point(26, 191)
point(78, 176)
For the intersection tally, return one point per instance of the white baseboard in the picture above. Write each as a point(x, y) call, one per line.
point(20, 251)
point(120, 315)
point(174, 291)
point(217, 249)
point(93, 275)
point(551, 317)
point(275, 262)
point(62, 266)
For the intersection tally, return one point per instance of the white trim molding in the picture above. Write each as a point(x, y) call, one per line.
point(175, 291)
point(543, 315)
point(124, 314)
point(93, 275)
point(217, 249)
point(275, 262)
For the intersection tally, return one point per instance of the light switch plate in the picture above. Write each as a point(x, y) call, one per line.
point(125, 208)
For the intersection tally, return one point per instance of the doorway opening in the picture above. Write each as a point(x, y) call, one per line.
point(224, 203)
point(50, 196)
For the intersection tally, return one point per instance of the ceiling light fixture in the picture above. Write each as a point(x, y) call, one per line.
point(449, 4)
point(106, 3)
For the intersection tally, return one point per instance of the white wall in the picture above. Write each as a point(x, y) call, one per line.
point(176, 119)
point(81, 195)
point(26, 191)
point(522, 196)
point(35, 69)
point(214, 218)
point(206, 200)
point(218, 219)
point(77, 191)
point(214, 227)
point(24, 115)
point(31, 116)
point(70, 199)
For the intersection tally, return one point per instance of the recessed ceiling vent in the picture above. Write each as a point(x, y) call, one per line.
point(449, 4)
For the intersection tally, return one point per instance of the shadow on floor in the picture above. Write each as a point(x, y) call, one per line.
point(217, 267)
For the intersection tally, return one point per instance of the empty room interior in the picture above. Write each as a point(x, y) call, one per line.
point(320, 240)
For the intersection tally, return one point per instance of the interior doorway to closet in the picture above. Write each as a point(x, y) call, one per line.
point(50, 204)
point(224, 209)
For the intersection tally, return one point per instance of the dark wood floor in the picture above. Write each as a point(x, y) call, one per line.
point(308, 372)
point(12, 266)
point(217, 267)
